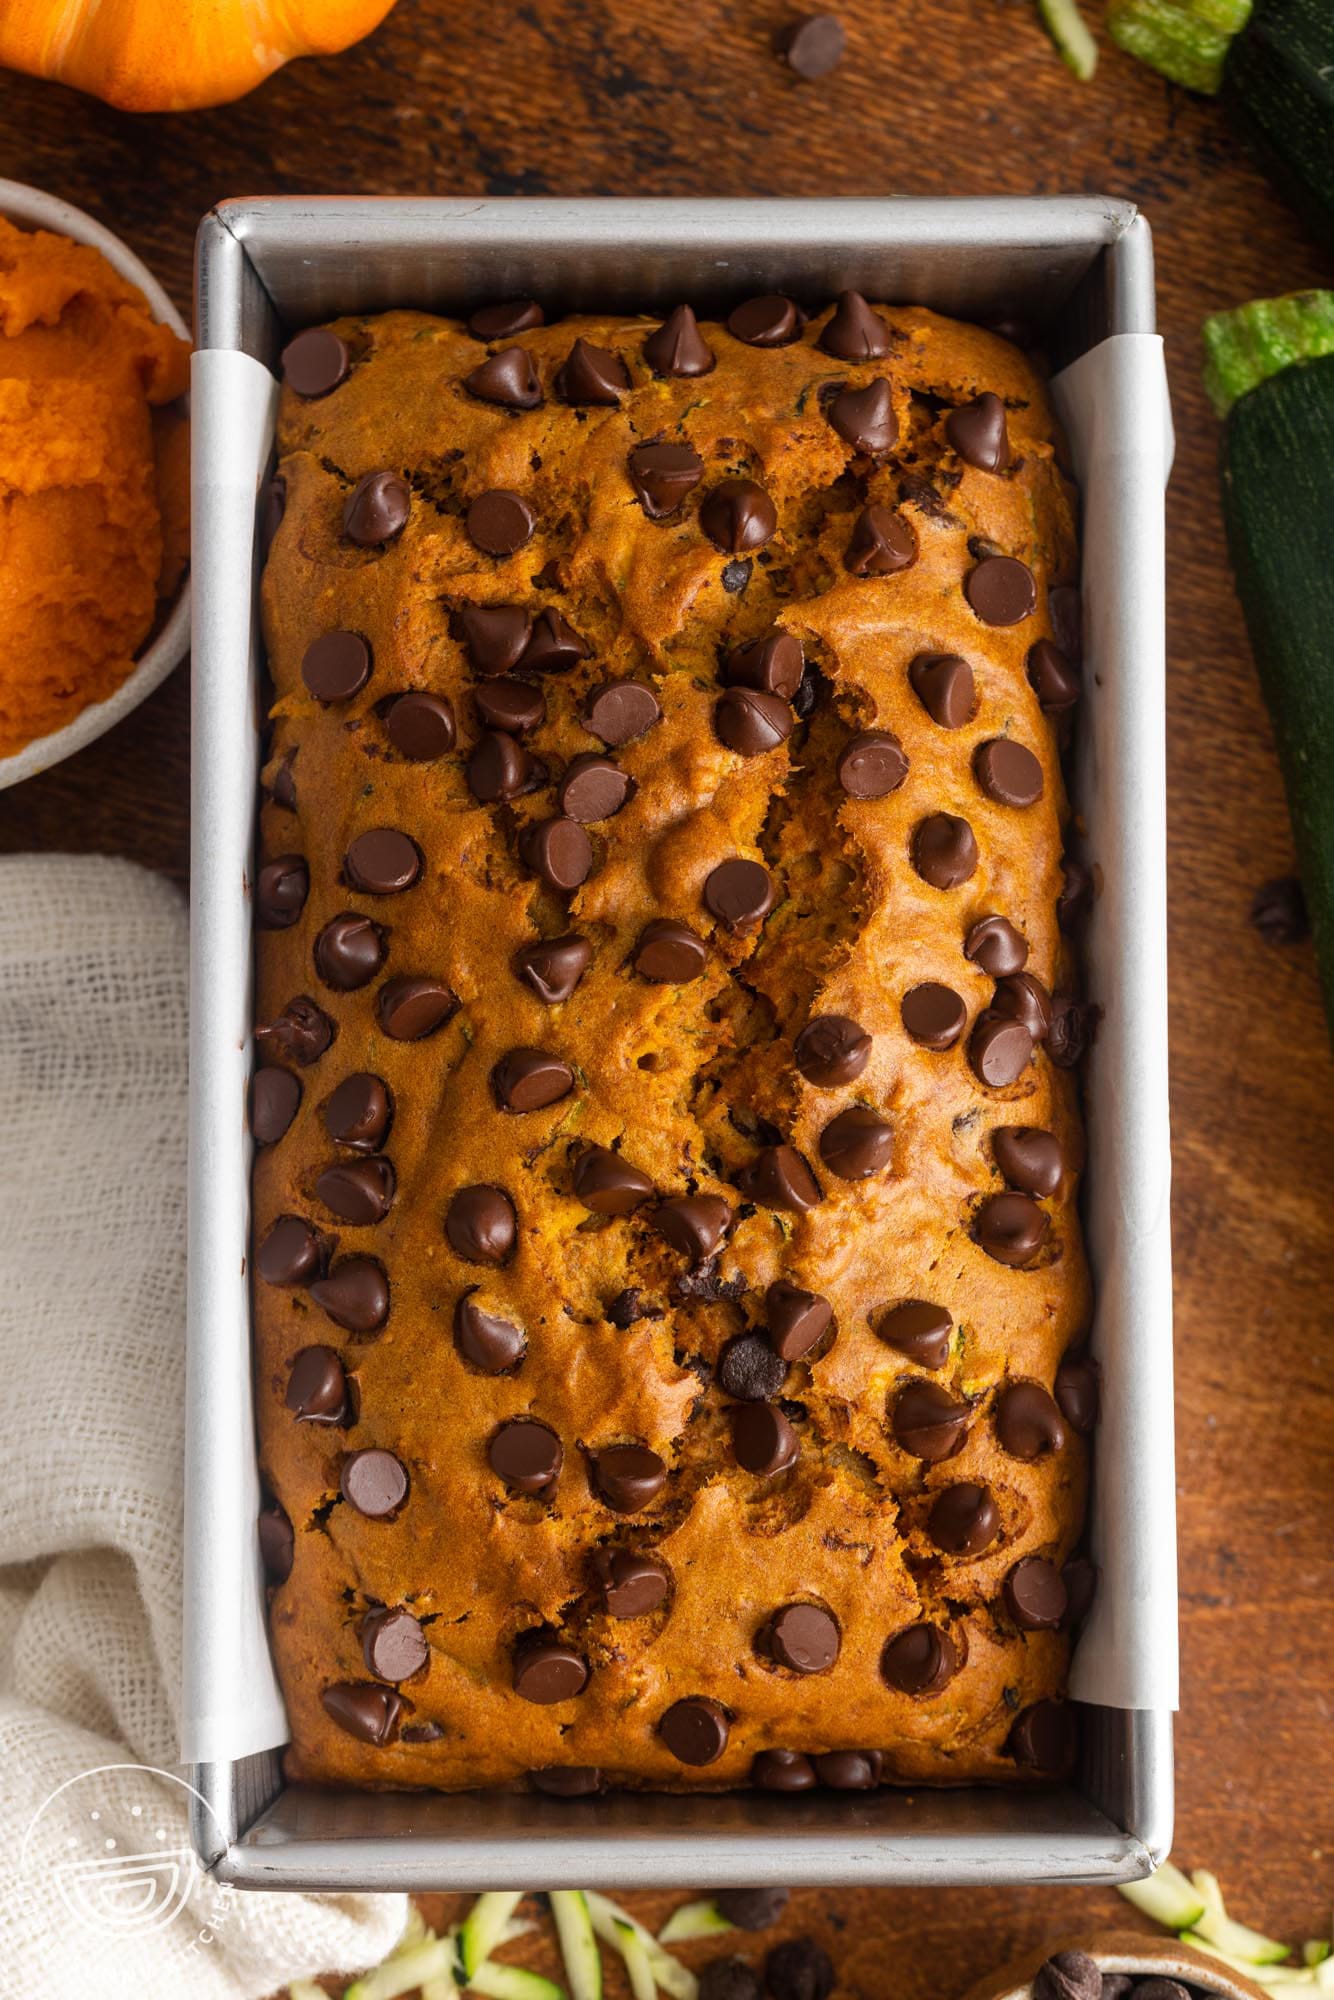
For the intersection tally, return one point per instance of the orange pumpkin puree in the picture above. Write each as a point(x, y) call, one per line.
point(93, 493)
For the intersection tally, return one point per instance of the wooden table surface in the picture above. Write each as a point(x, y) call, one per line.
point(934, 96)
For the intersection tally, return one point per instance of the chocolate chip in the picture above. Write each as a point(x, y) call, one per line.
point(978, 432)
point(831, 1050)
point(376, 511)
point(872, 765)
point(317, 1391)
point(812, 45)
point(749, 1370)
point(928, 1422)
point(530, 1080)
point(355, 1295)
point(1078, 1389)
point(315, 362)
point(393, 1644)
point(629, 1477)
point(628, 1308)
point(272, 507)
point(964, 1519)
point(481, 1225)
point(799, 1970)
point(275, 1095)
point(999, 1050)
point(782, 1771)
point(736, 575)
point(375, 1483)
point(526, 1455)
point(500, 522)
point(366, 1712)
point(608, 1184)
point(552, 967)
point(1029, 1159)
point(420, 1732)
point(567, 1781)
point(495, 1346)
point(502, 322)
point(1008, 772)
point(857, 1144)
point(1035, 1595)
point(763, 1440)
point(693, 1224)
point(1278, 911)
point(592, 376)
point(695, 1730)
point(804, 1638)
point(677, 347)
point(1052, 678)
point(382, 862)
point(291, 1253)
point(771, 665)
point(1080, 1578)
point(944, 852)
point(509, 705)
point(1071, 1030)
point(996, 946)
point(1001, 590)
point(358, 1191)
point(739, 894)
point(1044, 1739)
point(281, 891)
point(849, 1770)
point(669, 954)
point(1070, 1975)
point(770, 321)
point(779, 1178)
point(919, 1661)
point(593, 788)
point(864, 418)
point(1067, 618)
point(413, 1007)
point(855, 333)
point(619, 711)
point(302, 1031)
point(1022, 997)
point(277, 1545)
point(547, 1672)
point(421, 726)
point(358, 1112)
point(795, 1319)
point(495, 635)
point(1163, 1989)
point(1012, 1229)
point(943, 683)
point(499, 768)
point(919, 1330)
point(750, 722)
point(559, 851)
point(881, 544)
point(507, 378)
point(633, 1585)
point(752, 1909)
point(554, 646)
point(934, 1015)
point(662, 475)
point(336, 666)
point(738, 516)
point(282, 790)
point(1028, 1422)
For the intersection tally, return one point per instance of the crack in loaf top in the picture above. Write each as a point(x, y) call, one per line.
point(668, 1279)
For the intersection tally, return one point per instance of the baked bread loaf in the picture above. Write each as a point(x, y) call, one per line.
point(669, 1292)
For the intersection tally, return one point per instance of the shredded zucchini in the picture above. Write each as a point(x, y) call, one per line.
point(1069, 30)
point(1185, 40)
point(1244, 347)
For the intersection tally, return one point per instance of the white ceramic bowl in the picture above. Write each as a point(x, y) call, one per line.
point(31, 209)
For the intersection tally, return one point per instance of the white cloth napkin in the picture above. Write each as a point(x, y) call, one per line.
point(92, 1361)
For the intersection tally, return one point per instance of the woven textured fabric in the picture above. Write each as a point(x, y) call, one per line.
point(93, 964)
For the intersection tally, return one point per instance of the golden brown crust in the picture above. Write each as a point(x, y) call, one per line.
point(682, 1079)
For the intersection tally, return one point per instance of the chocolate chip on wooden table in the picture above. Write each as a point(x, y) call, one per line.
point(1028, 1423)
point(315, 362)
point(336, 666)
point(499, 522)
point(772, 665)
point(944, 850)
point(511, 706)
point(1052, 678)
point(375, 1482)
point(695, 1730)
point(503, 321)
point(763, 1441)
point(559, 851)
point(414, 1006)
point(358, 1191)
point(881, 543)
point(849, 1770)
point(693, 1224)
point(554, 646)
point(526, 1455)
point(629, 1477)
point(355, 1295)
point(779, 1178)
point(1030, 1159)
point(508, 379)
point(275, 1096)
point(500, 768)
point(812, 45)
point(593, 788)
point(495, 635)
point(677, 347)
point(964, 1519)
point(857, 1143)
point(978, 432)
point(804, 1638)
point(864, 418)
point(872, 764)
point(302, 1031)
point(738, 516)
point(545, 1671)
point(393, 1644)
point(357, 1114)
point(795, 1319)
point(934, 1015)
point(377, 509)
point(750, 722)
point(280, 892)
point(633, 1585)
point(317, 1389)
point(999, 1050)
point(943, 683)
point(994, 945)
point(1278, 911)
point(855, 333)
point(591, 377)
point(752, 1909)
point(481, 1225)
point(799, 1969)
point(420, 726)
point(277, 1544)
point(920, 1660)
point(928, 1421)
point(552, 967)
point(1044, 1738)
point(1008, 772)
point(739, 894)
point(493, 1345)
point(768, 321)
point(1001, 590)
point(620, 711)
point(292, 1252)
point(382, 862)
point(832, 1049)
point(1035, 1595)
point(669, 953)
point(1012, 1229)
point(609, 1185)
point(783, 1771)
point(662, 475)
point(919, 1330)
point(367, 1712)
point(749, 1370)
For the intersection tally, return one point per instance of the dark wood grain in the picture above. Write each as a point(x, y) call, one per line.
point(934, 96)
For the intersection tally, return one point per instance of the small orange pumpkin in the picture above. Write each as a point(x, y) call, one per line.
point(175, 55)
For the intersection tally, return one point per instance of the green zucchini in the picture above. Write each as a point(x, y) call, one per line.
point(512, 1982)
point(1168, 1896)
point(578, 1946)
point(480, 1931)
point(637, 1968)
point(1272, 65)
point(1278, 504)
point(694, 1920)
point(405, 1971)
point(1068, 29)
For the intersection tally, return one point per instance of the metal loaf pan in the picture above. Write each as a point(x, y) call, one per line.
point(1079, 269)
